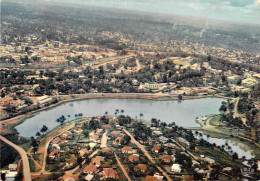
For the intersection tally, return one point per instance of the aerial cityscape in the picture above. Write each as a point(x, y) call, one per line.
point(130, 90)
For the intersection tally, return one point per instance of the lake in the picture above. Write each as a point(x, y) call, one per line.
point(183, 113)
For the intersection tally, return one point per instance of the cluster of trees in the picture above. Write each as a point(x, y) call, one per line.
point(91, 125)
point(141, 132)
point(7, 154)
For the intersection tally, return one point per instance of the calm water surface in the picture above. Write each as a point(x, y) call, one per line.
point(182, 113)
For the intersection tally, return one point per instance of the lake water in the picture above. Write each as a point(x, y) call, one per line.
point(236, 146)
point(183, 113)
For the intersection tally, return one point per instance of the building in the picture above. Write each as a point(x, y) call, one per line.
point(109, 173)
point(118, 140)
point(176, 168)
point(150, 178)
point(98, 160)
point(156, 149)
point(127, 149)
point(210, 160)
point(133, 158)
point(89, 177)
point(142, 167)
point(44, 99)
point(166, 158)
point(94, 138)
point(6, 100)
point(56, 140)
point(90, 169)
point(13, 167)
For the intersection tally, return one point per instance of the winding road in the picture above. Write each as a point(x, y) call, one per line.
point(26, 166)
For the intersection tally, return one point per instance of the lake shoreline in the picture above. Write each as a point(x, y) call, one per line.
point(11, 123)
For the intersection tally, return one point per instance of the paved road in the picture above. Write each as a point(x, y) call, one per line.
point(122, 168)
point(141, 147)
point(26, 166)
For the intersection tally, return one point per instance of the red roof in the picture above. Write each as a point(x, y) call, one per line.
point(134, 157)
point(57, 139)
point(90, 168)
point(98, 159)
point(115, 132)
point(150, 178)
point(127, 148)
point(54, 151)
point(94, 137)
point(142, 167)
point(106, 150)
point(67, 133)
point(166, 157)
point(109, 172)
point(156, 148)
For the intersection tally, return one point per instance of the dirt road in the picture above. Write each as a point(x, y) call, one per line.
point(122, 168)
point(104, 140)
point(26, 166)
point(141, 147)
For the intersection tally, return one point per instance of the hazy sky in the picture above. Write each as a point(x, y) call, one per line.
point(245, 11)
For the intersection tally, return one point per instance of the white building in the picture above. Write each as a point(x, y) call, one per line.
point(176, 168)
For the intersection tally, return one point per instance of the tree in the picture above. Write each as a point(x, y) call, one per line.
point(44, 129)
point(86, 133)
point(141, 115)
point(235, 156)
point(38, 134)
point(28, 101)
point(122, 111)
point(2, 94)
point(34, 144)
point(180, 97)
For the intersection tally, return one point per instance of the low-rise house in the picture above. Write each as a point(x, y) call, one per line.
point(163, 139)
point(90, 169)
point(157, 133)
point(142, 167)
point(66, 134)
point(133, 158)
point(227, 169)
point(5, 100)
point(70, 179)
point(148, 141)
point(55, 153)
point(82, 152)
point(44, 99)
point(150, 178)
point(105, 150)
point(56, 140)
point(171, 145)
point(98, 160)
point(156, 149)
point(210, 160)
point(89, 177)
point(118, 140)
point(115, 133)
point(127, 149)
point(158, 176)
point(94, 138)
point(183, 141)
point(166, 158)
point(12, 167)
point(109, 173)
point(55, 146)
point(176, 168)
